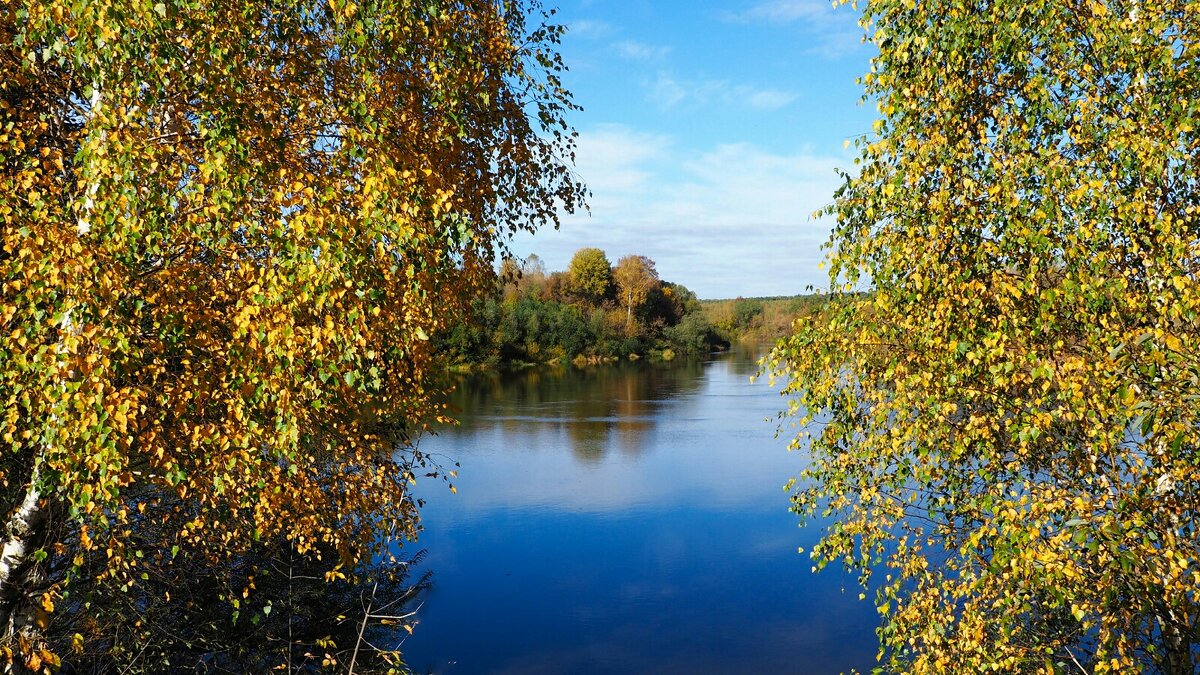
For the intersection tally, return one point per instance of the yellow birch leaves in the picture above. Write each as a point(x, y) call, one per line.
point(1006, 418)
point(228, 230)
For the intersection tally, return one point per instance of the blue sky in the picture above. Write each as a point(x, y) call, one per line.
point(710, 133)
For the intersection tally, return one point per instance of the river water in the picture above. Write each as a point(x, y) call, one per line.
point(627, 518)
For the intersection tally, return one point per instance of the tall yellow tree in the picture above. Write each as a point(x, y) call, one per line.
point(1004, 419)
point(635, 278)
point(228, 230)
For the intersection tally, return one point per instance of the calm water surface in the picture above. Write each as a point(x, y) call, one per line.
point(626, 519)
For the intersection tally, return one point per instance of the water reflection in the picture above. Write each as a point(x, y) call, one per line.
point(627, 518)
point(597, 408)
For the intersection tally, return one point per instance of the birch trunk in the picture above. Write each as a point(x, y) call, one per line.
point(1178, 649)
point(26, 529)
point(19, 578)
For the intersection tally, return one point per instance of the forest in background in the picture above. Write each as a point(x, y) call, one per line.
point(759, 320)
point(595, 311)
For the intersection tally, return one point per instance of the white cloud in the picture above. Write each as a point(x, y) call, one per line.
point(787, 11)
point(732, 219)
point(589, 29)
point(764, 99)
point(639, 51)
point(667, 92)
point(831, 29)
point(616, 160)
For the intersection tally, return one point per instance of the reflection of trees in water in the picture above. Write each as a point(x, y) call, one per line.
point(631, 438)
point(589, 439)
point(743, 358)
point(594, 406)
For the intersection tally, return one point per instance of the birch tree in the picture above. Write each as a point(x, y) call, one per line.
point(635, 278)
point(229, 230)
point(1003, 403)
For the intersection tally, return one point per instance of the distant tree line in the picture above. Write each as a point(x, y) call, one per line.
point(758, 320)
point(591, 311)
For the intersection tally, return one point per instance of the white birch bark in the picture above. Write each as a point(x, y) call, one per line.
point(27, 521)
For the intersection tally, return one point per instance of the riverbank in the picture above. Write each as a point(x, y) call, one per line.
point(579, 361)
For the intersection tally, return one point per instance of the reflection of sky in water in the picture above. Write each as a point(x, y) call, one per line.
point(626, 519)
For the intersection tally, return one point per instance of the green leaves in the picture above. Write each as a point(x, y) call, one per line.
point(1021, 375)
point(590, 274)
point(246, 318)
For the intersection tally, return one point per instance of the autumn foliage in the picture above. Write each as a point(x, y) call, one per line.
point(229, 230)
point(1004, 420)
point(587, 314)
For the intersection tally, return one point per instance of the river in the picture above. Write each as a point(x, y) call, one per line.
point(627, 518)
